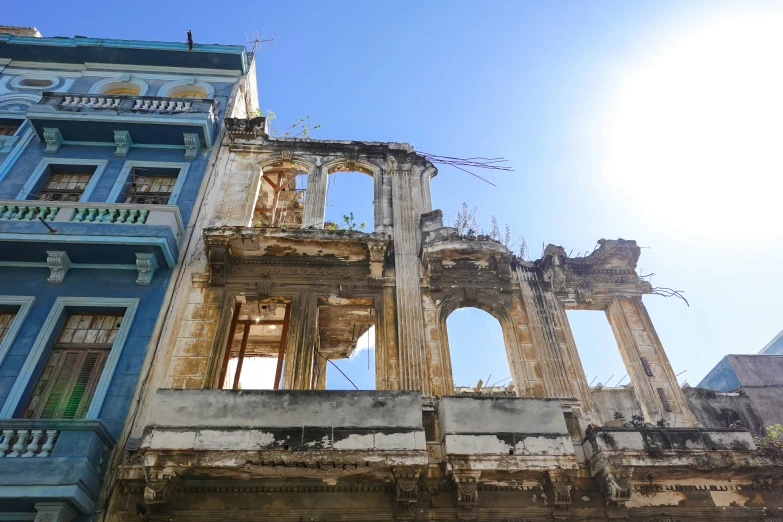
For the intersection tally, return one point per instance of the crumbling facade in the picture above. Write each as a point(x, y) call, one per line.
point(548, 446)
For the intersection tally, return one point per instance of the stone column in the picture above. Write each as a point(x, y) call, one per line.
point(319, 373)
point(387, 358)
point(300, 346)
point(648, 366)
point(315, 198)
point(410, 326)
point(541, 327)
point(377, 198)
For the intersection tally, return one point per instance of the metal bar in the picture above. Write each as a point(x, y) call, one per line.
point(283, 340)
point(232, 330)
point(242, 348)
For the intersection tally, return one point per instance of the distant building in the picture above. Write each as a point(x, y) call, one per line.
point(774, 347)
point(104, 149)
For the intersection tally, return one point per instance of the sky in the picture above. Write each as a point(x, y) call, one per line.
point(653, 121)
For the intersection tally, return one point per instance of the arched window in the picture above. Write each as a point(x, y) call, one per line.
point(598, 349)
point(350, 198)
point(281, 196)
point(124, 86)
point(477, 350)
point(181, 89)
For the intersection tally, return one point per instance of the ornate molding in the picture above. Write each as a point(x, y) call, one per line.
point(53, 140)
point(160, 485)
point(146, 264)
point(217, 256)
point(616, 486)
point(59, 263)
point(123, 141)
point(467, 492)
point(264, 286)
point(192, 145)
point(406, 490)
point(558, 487)
point(346, 289)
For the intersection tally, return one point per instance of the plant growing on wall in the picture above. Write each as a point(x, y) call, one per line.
point(349, 223)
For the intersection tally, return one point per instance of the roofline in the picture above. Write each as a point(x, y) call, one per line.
point(769, 344)
point(78, 41)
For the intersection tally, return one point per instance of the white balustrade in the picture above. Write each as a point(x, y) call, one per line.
point(27, 443)
point(139, 104)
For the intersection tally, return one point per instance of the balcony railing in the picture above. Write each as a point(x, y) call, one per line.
point(151, 105)
point(139, 104)
point(85, 212)
point(27, 442)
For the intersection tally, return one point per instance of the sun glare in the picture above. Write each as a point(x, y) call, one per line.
point(695, 133)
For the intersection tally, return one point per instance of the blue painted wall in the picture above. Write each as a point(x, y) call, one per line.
point(85, 283)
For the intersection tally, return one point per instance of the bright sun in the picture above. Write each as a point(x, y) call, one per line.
point(696, 132)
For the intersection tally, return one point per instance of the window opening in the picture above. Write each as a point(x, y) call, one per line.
point(6, 319)
point(64, 187)
point(8, 129)
point(598, 349)
point(350, 200)
point(345, 344)
point(188, 94)
point(281, 198)
point(73, 368)
point(124, 91)
point(35, 82)
point(479, 361)
point(151, 186)
point(255, 346)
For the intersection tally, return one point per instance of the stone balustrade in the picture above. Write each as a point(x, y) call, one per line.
point(80, 212)
point(27, 442)
point(148, 104)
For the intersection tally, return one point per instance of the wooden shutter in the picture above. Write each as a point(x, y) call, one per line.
point(65, 388)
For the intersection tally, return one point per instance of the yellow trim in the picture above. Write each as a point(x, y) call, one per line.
point(189, 94)
point(124, 91)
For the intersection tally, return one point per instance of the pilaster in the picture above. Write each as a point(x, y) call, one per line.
point(300, 346)
point(410, 322)
point(315, 201)
point(655, 383)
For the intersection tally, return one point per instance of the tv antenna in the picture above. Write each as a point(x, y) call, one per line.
point(258, 40)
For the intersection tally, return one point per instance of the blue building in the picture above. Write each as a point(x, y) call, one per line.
point(105, 146)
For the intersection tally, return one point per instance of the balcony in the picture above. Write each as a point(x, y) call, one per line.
point(52, 461)
point(108, 234)
point(124, 121)
point(246, 434)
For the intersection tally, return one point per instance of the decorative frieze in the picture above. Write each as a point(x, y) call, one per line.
point(466, 482)
point(406, 490)
point(160, 485)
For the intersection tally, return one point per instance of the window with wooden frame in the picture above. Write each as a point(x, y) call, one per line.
point(73, 369)
point(6, 319)
point(151, 186)
point(64, 186)
point(8, 129)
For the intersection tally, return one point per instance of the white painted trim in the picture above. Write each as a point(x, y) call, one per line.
point(25, 303)
point(118, 190)
point(101, 240)
point(45, 162)
point(21, 144)
point(166, 89)
point(20, 98)
point(43, 264)
point(98, 87)
point(221, 73)
point(46, 334)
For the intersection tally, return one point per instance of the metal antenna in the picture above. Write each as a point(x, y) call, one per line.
point(258, 40)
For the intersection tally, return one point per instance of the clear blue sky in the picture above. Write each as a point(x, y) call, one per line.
point(653, 121)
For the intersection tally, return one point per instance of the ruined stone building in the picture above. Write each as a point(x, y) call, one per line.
point(156, 243)
point(267, 279)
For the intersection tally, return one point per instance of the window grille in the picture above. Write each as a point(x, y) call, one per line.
point(64, 187)
point(8, 130)
point(73, 369)
point(150, 190)
point(6, 318)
